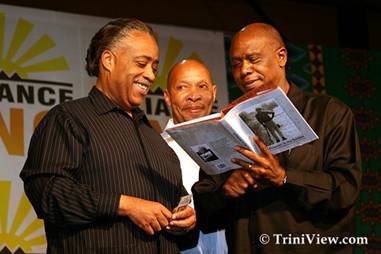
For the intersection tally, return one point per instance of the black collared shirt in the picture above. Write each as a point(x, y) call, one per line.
point(323, 182)
point(83, 155)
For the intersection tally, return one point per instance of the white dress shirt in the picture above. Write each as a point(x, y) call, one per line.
point(212, 243)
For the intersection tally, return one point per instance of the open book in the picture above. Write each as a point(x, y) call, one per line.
point(210, 140)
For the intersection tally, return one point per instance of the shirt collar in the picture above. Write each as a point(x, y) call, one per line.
point(103, 104)
point(170, 124)
point(165, 134)
point(296, 96)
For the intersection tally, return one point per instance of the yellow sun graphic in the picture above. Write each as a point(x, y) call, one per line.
point(173, 50)
point(19, 65)
point(16, 237)
point(22, 232)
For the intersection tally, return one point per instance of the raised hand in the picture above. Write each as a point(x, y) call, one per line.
point(266, 166)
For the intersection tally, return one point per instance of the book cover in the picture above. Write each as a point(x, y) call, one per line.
point(210, 140)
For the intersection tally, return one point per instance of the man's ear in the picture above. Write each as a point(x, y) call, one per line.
point(282, 56)
point(214, 93)
point(167, 98)
point(107, 60)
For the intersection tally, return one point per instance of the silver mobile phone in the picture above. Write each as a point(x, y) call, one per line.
point(184, 201)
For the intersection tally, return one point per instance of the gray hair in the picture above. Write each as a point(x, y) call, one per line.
point(108, 36)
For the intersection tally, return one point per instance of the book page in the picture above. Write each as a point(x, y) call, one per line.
point(215, 116)
point(209, 144)
point(273, 118)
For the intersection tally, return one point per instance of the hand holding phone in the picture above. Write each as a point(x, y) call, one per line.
point(184, 202)
point(181, 223)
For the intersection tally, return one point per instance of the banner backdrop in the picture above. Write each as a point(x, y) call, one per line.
point(42, 64)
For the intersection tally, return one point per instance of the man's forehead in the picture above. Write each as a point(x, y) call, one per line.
point(192, 74)
point(144, 49)
point(258, 35)
point(246, 51)
point(188, 74)
point(189, 66)
point(138, 39)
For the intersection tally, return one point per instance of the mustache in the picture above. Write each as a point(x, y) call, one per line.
point(194, 106)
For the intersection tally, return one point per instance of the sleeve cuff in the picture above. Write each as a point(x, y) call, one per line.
point(108, 205)
point(319, 180)
point(294, 177)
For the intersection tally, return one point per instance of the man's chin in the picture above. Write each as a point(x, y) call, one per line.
point(133, 104)
point(254, 86)
point(138, 100)
point(194, 116)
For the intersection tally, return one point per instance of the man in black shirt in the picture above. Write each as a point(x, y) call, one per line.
point(97, 173)
point(306, 193)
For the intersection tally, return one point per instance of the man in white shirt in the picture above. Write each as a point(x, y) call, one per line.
point(191, 93)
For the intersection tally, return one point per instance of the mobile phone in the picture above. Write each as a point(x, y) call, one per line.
point(184, 202)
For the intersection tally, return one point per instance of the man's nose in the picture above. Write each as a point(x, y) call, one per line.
point(194, 94)
point(246, 68)
point(149, 74)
